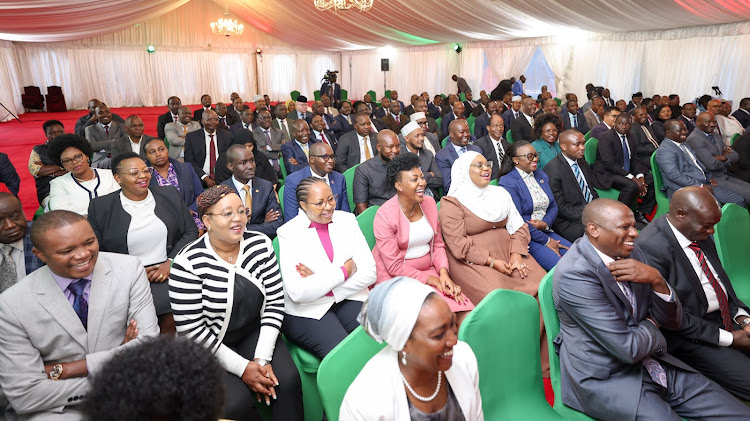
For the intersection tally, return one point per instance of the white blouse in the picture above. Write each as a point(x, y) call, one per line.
point(420, 236)
point(147, 234)
point(67, 193)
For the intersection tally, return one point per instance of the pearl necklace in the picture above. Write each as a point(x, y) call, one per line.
point(422, 398)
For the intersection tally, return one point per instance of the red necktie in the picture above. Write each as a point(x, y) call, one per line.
point(398, 120)
point(174, 117)
point(323, 139)
point(720, 295)
point(106, 129)
point(211, 156)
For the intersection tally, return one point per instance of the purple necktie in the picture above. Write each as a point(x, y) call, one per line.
point(80, 305)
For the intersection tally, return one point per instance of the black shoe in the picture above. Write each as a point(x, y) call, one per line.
point(639, 217)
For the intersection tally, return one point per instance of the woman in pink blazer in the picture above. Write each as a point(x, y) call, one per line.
point(408, 241)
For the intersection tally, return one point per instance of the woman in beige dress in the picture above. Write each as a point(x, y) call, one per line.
point(486, 237)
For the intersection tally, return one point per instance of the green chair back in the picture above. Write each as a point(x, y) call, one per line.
point(294, 95)
point(662, 201)
point(316, 94)
point(462, 97)
point(388, 94)
point(444, 142)
point(349, 177)
point(731, 238)
point(552, 324)
point(508, 356)
point(470, 120)
point(344, 95)
point(509, 137)
point(281, 199)
point(341, 366)
point(558, 101)
point(494, 182)
point(589, 154)
point(365, 220)
point(39, 212)
point(282, 166)
point(736, 135)
point(438, 122)
point(587, 136)
point(373, 96)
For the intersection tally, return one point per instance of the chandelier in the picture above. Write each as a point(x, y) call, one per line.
point(362, 5)
point(226, 26)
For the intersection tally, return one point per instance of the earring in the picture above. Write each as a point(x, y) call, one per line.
point(403, 357)
point(120, 183)
point(209, 229)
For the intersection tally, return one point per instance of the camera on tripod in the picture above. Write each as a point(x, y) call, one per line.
point(330, 76)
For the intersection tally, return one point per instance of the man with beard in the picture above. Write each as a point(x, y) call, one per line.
point(414, 142)
point(371, 185)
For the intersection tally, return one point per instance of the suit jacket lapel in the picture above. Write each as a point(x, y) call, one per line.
point(606, 277)
point(101, 283)
point(53, 300)
point(570, 176)
point(683, 261)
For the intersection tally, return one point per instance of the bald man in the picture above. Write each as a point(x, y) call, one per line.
point(134, 140)
point(613, 357)
point(726, 127)
point(714, 335)
point(371, 185)
point(458, 144)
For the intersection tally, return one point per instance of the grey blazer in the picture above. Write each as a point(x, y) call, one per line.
point(176, 137)
point(122, 145)
point(39, 326)
point(101, 143)
point(277, 139)
point(677, 169)
point(706, 150)
point(288, 122)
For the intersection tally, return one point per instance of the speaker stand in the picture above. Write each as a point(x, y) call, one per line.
point(9, 113)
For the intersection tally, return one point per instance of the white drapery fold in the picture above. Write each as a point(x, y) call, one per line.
point(508, 61)
point(10, 88)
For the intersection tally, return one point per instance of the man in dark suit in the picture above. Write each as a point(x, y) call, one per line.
point(635, 102)
point(608, 121)
point(493, 144)
point(505, 85)
point(134, 139)
point(331, 88)
point(376, 124)
point(384, 109)
point(687, 116)
point(9, 175)
point(395, 120)
point(617, 167)
point(369, 103)
point(394, 97)
point(257, 194)
point(409, 110)
point(357, 146)
point(246, 122)
point(743, 113)
point(319, 133)
point(608, 102)
point(205, 106)
point(225, 119)
point(513, 112)
point(345, 118)
point(236, 108)
point(742, 146)
point(202, 147)
point(300, 112)
point(16, 257)
point(459, 144)
point(469, 104)
point(521, 126)
point(483, 121)
point(714, 335)
point(414, 141)
point(436, 108)
point(573, 118)
point(456, 114)
point(296, 153)
point(281, 121)
point(570, 180)
point(420, 106)
point(322, 160)
point(614, 363)
point(645, 140)
point(330, 124)
point(173, 103)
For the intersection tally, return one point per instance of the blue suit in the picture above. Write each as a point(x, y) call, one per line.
point(335, 180)
point(514, 184)
point(480, 125)
point(447, 118)
point(346, 127)
point(445, 159)
point(264, 200)
point(508, 117)
point(293, 150)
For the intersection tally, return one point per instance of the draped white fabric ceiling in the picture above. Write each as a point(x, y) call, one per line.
point(389, 22)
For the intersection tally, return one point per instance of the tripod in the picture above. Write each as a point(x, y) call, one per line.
point(9, 113)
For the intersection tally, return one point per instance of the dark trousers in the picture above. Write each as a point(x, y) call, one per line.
point(321, 336)
point(629, 193)
point(240, 401)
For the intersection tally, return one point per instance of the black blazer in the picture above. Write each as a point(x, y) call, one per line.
point(195, 148)
point(488, 150)
point(741, 169)
point(583, 126)
point(568, 195)
point(609, 159)
point(263, 169)
point(665, 254)
point(264, 200)
point(111, 222)
point(521, 129)
point(644, 147)
point(690, 126)
point(164, 119)
point(348, 153)
point(198, 115)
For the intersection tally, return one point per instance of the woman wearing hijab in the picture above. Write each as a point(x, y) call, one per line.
point(662, 113)
point(425, 373)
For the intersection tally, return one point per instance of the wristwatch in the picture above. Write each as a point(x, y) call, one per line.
point(745, 322)
point(261, 362)
point(56, 372)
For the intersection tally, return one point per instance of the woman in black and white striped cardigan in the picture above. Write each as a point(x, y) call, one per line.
point(226, 293)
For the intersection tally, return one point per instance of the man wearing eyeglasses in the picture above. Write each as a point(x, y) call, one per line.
point(322, 162)
point(458, 145)
point(257, 194)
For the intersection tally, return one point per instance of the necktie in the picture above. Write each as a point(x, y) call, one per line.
point(211, 156)
point(7, 268)
point(306, 150)
point(301, 116)
point(174, 118)
point(692, 157)
point(655, 370)
point(718, 129)
point(649, 137)
point(720, 294)
point(185, 129)
point(711, 138)
point(500, 153)
point(367, 148)
point(106, 129)
point(80, 305)
point(283, 127)
point(268, 137)
point(625, 153)
point(650, 120)
point(398, 120)
point(462, 150)
point(248, 198)
point(582, 184)
point(223, 120)
point(515, 114)
point(575, 120)
point(323, 139)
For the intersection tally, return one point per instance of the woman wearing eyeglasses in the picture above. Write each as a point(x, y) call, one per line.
point(152, 223)
point(529, 187)
point(74, 190)
point(226, 293)
point(547, 129)
point(327, 266)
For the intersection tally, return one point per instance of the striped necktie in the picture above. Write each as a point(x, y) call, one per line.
point(582, 184)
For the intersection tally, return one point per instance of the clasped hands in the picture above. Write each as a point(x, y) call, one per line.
point(507, 268)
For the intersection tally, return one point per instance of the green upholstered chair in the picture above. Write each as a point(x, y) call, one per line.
point(444, 142)
point(39, 212)
point(373, 96)
point(341, 366)
point(438, 122)
point(282, 167)
point(493, 182)
point(344, 95)
point(509, 137)
point(365, 220)
point(731, 237)
point(388, 94)
point(316, 94)
point(462, 97)
point(590, 156)
point(736, 135)
point(307, 366)
point(470, 120)
point(281, 200)
point(294, 95)
point(587, 136)
point(552, 324)
point(662, 201)
point(349, 178)
point(510, 370)
point(558, 101)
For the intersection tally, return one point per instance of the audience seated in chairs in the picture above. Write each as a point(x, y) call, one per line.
point(74, 190)
point(41, 166)
point(134, 139)
point(326, 266)
point(529, 187)
point(408, 241)
point(241, 327)
point(662, 113)
point(422, 334)
point(102, 135)
point(177, 131)
point(263, 167)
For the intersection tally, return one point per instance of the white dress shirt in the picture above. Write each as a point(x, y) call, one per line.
point(362, 140)
point(238, 185)
point(207, 162)
point(135, 147)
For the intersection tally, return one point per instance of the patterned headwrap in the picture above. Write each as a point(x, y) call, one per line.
point(209, 197)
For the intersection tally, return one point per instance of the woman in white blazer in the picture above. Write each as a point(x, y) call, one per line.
point(74, 190)
point(326, 267)
point(425, 373)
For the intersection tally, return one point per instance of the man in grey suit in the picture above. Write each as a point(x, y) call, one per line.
point(680, 168)
point(175, 132)
point(613, 359)
point(90, 119)
point(134, 140)
point(101, 136)
point(414, 141)
point(268, 139)
point(281, 121)
point(432, 142)
point(714, 155)
point(353, 148)
point(300, 110)
point(594, 114)
point(63, 322)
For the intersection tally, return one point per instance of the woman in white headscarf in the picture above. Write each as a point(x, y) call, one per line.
point(425, 373)
point(486, 237)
